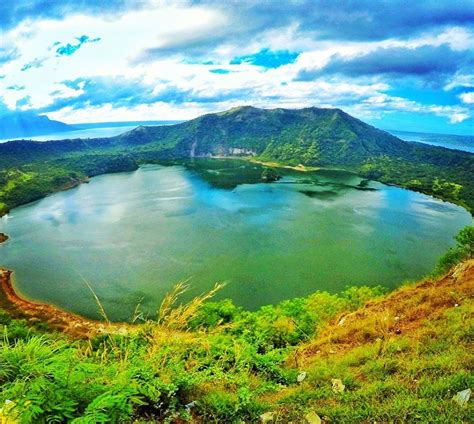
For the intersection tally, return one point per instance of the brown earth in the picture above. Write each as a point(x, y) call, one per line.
point(69, 323)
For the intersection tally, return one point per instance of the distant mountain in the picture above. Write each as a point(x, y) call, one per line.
point(311, 136)
point(25, 124)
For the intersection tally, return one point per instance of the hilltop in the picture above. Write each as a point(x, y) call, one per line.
point(311, 136)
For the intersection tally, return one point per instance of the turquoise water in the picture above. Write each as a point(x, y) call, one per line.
point(132, 236)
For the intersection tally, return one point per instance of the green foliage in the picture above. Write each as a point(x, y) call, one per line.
point(463, 250)
point(447, 178)
point(156, 372)
point(270, 175)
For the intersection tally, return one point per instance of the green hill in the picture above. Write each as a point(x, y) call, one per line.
point(311, 136)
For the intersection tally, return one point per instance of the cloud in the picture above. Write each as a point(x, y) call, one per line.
point(16, 87)
point(24, 101)
point(166, 55)
point(70, 49)
point(207, 29)
point(356, 20)
point(8, 53)
point(467, 98)
point(431, 62)
point(126, 92)
point(36, 63)
point(14, 12)
point(267, 58)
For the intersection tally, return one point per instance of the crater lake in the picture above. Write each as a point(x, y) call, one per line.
point(133, 236)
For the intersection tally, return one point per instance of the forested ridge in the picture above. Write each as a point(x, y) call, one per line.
point(311, 136)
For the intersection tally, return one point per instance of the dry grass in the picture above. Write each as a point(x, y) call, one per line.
point(400, 313)
point(177, 317)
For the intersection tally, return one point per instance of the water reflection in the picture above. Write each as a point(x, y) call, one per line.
point(134, 235)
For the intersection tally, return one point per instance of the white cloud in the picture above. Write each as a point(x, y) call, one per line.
point(467, 98)
point(169, 24)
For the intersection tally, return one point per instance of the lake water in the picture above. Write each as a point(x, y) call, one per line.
point(132, 236)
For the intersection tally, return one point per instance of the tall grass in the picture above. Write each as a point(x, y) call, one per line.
point(177, 317)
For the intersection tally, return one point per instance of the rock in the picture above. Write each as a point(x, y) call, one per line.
point(190, 405)
point(337, 386)
point(312, 418)
point(3, 237)
point(301, 376)
point(462, 398)
point(342, 321)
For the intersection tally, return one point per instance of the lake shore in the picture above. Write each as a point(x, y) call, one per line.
point(58, 319)
point(300, 167)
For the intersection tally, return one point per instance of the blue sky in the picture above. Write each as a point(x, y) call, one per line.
point(406, 68)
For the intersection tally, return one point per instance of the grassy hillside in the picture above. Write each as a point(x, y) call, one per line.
point(312, 136)
point(358, 357)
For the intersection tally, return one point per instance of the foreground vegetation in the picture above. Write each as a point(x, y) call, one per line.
point(358, 356)
point(311, 137)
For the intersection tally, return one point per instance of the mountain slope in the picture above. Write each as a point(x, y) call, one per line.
point(336, 136)
point(311, 136)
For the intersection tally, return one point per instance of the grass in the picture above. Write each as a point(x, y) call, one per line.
point(400, 358)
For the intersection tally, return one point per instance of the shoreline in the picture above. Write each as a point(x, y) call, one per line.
point(58, 319)
point(300, 167)
point(80, 327)
point(70, 185)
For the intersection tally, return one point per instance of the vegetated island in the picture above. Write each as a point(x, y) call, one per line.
point(310, 137)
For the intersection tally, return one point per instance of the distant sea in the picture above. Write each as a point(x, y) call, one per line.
point(457, 142)
point(93, 130)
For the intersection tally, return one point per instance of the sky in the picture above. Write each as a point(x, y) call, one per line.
point(402, 65)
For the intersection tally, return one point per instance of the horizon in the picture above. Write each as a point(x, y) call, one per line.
point(136, 61)
point(185, 120)
point(152, 122)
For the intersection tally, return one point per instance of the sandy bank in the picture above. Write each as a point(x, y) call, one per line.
point(299, 167)
point(69, 323)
